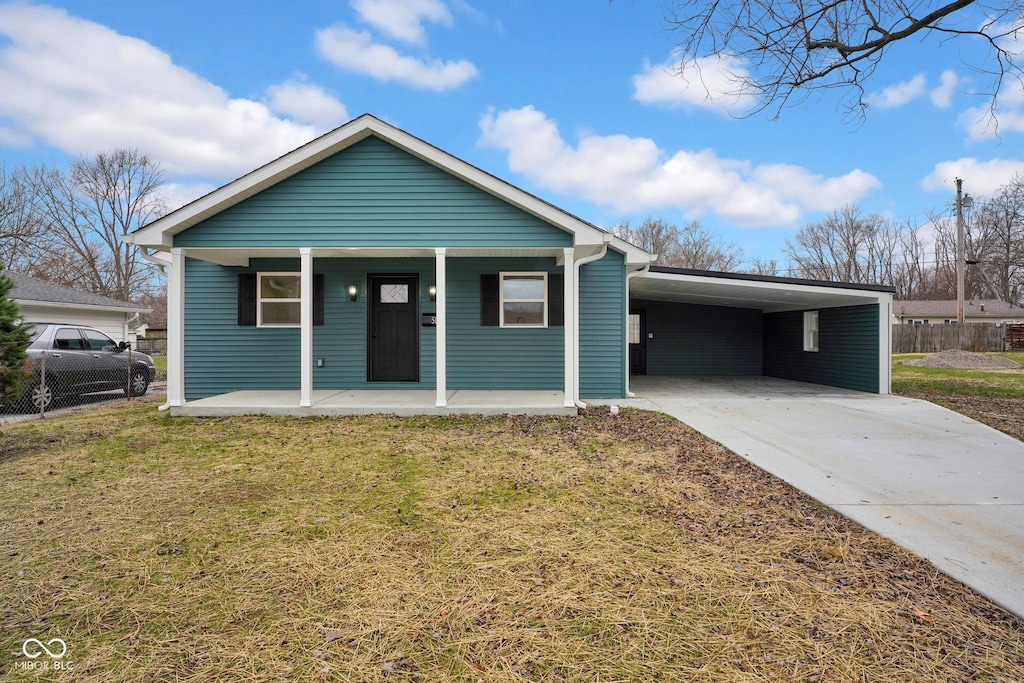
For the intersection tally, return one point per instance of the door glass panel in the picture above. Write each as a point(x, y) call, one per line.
point(394, 294)
point(634, 328)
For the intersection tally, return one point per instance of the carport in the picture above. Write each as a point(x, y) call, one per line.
point(686, 323)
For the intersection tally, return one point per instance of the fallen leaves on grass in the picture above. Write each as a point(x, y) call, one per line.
point(498, 548)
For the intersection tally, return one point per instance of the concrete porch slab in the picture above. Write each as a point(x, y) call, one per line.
point(403, 402)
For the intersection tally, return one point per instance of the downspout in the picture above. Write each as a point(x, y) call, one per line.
point(156, 258)
point(576, 317)
point(646, 268)
point(128, 322)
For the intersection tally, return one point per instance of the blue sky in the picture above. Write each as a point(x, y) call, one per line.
point(571, 101)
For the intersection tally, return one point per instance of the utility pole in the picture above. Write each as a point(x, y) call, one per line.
point(959, 251)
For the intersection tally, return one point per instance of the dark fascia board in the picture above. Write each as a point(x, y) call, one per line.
point(769, 278)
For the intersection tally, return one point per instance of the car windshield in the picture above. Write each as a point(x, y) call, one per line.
point(37, 331)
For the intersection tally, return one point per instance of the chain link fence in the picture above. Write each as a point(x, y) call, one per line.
point(79, 371)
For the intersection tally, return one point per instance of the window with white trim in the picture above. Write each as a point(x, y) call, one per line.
point(278, 299)
point(810, 330)
point(524, 299)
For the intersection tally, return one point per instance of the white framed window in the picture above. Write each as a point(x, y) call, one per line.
point(810, 330)
point(278, 299)
point(524, 299)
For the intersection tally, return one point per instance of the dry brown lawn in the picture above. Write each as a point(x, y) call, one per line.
point(595, 548)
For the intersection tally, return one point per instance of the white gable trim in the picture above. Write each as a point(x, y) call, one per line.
point(159, 234)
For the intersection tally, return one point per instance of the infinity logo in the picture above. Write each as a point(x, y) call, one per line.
point(39, 644)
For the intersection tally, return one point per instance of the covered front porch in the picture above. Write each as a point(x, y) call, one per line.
point(402, 402)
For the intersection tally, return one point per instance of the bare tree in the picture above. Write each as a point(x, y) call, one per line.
point(848, 246)
point(691, 246)
point(87, 209)
point(654, 235)
point(996, 241)
point(783, 51)
point(19, 221)
point(763, 266)
point(703, 250)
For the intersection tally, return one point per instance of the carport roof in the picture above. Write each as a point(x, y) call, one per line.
point(744, 290)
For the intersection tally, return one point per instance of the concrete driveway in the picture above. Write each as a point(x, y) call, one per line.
point(944, 486)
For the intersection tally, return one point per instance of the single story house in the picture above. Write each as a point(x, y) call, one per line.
point(370, 261)
point(988, 311)
point(45, 302)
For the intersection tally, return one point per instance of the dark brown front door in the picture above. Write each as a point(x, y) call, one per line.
point(394, 348)
point(637, 333)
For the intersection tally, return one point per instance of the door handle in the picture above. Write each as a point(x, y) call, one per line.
point(95, 355)
point(54, 355)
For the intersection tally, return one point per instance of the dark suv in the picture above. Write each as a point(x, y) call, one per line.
point(82, 360)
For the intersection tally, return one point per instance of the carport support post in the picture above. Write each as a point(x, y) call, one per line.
point(176, 329)
point(306, 326)
point(441, 329)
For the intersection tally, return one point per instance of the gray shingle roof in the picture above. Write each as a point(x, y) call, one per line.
point(973, 308)
point(27, 288)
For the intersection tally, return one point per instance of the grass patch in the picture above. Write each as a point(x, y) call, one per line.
point(465, 548)
point(993, 397)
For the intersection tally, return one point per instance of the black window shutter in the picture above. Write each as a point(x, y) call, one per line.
point(489, 300)
point(556, 300)
point(247, 299)
point(318, 298)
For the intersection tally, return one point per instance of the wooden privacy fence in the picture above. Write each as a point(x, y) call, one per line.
point(965, 337)
point(1015, 337)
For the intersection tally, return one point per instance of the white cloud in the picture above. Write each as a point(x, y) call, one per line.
point(899, 94)
point(980, 177)
point(81, 87)
point(711, 83)
point(180, 194)
point(981, 124)
point(403, 19)
point(356, 51)
point(307, 102)
point(632, 175)
point(942, 96)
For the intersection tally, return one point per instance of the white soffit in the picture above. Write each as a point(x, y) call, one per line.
point(770, 297)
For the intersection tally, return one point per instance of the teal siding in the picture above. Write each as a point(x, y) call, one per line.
point(603, 327)
point(373, 195)
point(341, 341)
point(220, 356)
point(847, 356)
point(496, 357)
point(701, 340)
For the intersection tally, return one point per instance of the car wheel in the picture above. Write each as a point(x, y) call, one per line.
point(38, 398)
point(139, 383)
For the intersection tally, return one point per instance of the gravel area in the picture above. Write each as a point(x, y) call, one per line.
point(964, 360)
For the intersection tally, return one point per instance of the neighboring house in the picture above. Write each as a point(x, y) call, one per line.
point(369, 259)
point(46, 302)
point(990, 311)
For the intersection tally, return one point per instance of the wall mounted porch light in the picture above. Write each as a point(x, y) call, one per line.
point(353, 292)
point(432, 292)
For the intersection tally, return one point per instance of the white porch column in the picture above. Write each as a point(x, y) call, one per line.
point(441, 311)
point(176, 329)
point(569, 296)
point(306, 327)
point(885, 344)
